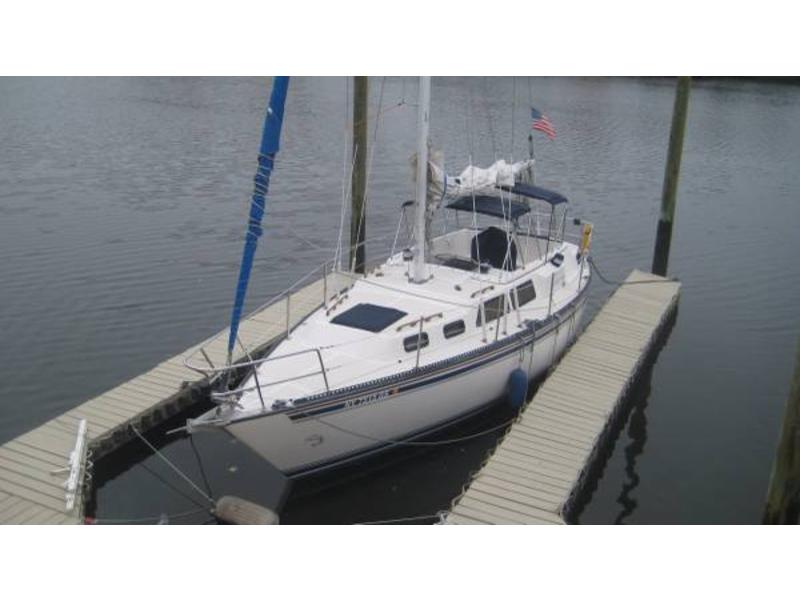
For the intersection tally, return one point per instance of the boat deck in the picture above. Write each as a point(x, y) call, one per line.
point(536, 471)
point(30, 491)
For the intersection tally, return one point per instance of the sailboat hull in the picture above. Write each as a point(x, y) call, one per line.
point(384, 414)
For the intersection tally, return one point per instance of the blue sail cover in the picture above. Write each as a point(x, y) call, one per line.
point(270, 144)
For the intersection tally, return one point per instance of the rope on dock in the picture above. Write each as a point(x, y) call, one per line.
point(610, 282)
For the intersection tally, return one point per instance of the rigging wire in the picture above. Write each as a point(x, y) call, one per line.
point(173, 467)
point(347, 189)
point(200, 466)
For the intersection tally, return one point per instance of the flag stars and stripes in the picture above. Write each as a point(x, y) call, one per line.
point(542, 123)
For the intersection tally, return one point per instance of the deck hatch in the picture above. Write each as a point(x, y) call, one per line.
point(369, 317)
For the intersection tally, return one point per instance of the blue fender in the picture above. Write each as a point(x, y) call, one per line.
point(517, 387)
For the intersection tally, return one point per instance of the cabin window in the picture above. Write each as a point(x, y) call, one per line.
point(494, 309)
point(453, 329)
point(525, 293)
point(369, 317)
point(413, 342)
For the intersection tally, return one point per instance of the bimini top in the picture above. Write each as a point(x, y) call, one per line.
point(503, 208)
point(534, 191)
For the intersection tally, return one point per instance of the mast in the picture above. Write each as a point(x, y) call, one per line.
point(420, 272)
point(358, 225)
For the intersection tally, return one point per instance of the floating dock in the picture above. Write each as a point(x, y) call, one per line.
point(540, 466)
point(42, 473)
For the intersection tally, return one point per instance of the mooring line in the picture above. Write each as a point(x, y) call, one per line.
point(188, 513)
point(174, 468)
point(440, 516)
point(173, 487)
point(610, 282)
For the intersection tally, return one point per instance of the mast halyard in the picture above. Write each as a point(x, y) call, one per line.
point(420, 271)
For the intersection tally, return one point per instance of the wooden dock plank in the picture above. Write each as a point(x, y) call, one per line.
point(19, 445)
point(9, 502)
point(558, 440)
point(43, 516)
point(32, 478)
point(459, 519)
point(31, 511)
point(501, 501)
point(511, 492)
point(10, 454)
point(43, 440)
point(526, 471)
point(29, 492)
point(540, 462)
point(500, 480)
point(9, 514)
point(538, 465)
point(542, 421)
point(535, 481)
point(542, 454)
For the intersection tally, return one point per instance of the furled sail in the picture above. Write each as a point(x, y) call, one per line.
point(270, 144)
point(477, 180)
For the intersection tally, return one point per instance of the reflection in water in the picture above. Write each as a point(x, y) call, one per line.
point(633, 412)
point(637, 432)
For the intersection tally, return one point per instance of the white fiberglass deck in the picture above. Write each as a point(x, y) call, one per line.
point(535, 470)
point(350, 355)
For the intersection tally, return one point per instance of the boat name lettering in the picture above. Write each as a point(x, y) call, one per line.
point(354, 402)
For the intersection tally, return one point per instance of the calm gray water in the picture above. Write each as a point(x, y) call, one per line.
point(122, 211)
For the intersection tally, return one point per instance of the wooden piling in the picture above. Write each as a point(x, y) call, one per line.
point(358, 225)
point(671, 175)
point(783, 495)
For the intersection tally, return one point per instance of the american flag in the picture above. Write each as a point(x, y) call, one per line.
point(543, 124)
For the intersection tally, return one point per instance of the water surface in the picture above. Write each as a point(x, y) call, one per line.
point(122, 211)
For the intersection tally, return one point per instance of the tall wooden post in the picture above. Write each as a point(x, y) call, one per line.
point(669, 193)
point(358, 220)
point(783, 496)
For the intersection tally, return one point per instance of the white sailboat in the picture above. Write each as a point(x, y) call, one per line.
point(431, 336)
